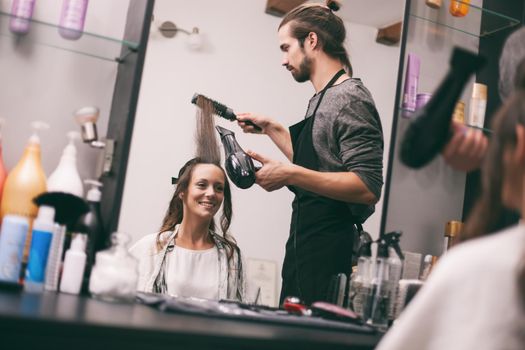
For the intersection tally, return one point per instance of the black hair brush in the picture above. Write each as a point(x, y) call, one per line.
point(221, 110)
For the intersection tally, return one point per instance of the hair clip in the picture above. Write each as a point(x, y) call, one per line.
point(174, 180)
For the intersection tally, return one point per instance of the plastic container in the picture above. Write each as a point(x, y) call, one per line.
point(21, 14)
point(3, 170)
point(422, 99)
point(115, 274)
point(26, 181)
point(435, 4)
point(42, 235)
point(411, 83)
point(459, 8)
point(72, 19)
point(478, 105)
point(459, 112)
point(92, 225)
point(74, 265)
point(12, 240)
point(66, 178)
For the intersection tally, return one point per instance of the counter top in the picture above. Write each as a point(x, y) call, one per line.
point(64, 321)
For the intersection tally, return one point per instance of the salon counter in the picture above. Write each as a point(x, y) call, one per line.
point(62, 321)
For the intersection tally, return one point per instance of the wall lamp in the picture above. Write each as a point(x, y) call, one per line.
point(169, 29)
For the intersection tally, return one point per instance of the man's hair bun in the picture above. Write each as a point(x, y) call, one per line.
point(333, 5)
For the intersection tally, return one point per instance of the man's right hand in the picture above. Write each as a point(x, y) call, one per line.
point(261, 121)
point(467, 148)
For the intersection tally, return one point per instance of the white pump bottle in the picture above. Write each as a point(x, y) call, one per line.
point(66, 178)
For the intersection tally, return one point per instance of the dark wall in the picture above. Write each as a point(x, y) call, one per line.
point(491, 47)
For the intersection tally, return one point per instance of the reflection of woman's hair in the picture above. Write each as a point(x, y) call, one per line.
point(174, 214)
point(321, 20)
point(486, 212)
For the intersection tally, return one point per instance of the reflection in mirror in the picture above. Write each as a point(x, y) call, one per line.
point(422, 201)
point(239, 64)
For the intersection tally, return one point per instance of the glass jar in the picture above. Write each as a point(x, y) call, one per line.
point(115, 274)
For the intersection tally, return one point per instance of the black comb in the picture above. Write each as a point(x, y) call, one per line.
point(222, 110)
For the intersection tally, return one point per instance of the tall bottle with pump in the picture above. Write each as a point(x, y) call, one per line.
point(66, 178)
point(3, 170)
point(26, 181)
point(91, 224)
point(360, 280)
point(395, 265)
point(376, 305)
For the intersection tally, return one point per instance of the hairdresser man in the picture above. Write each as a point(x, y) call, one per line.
point(336, 153)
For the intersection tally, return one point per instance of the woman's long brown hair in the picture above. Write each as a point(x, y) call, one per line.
point(484, 217)
point(208, 152)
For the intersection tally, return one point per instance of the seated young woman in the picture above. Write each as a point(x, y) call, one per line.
point(475, 297)
point(188, 257)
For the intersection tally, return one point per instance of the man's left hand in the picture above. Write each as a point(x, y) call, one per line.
point(273, 175)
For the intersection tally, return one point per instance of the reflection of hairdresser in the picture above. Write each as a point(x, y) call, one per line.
point(188, 257)
point(337, 153)
point(475, 297)
point(468, 146)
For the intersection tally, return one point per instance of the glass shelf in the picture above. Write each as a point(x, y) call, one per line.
point(408, 115)
point(89, 44)
point(492, 21)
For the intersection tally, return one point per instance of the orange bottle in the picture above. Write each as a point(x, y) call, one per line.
point(459, 8)
point(26, 181)
point(3, 170)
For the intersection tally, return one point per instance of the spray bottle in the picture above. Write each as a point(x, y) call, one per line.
point(3, 170)
point(91, 224)
point(26, 181)
point(66, 178)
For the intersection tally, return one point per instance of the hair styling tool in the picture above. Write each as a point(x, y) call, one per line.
point(239, 166)
point(430, 131)
point(221, 110)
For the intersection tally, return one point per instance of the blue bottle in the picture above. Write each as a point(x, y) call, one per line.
point(40, 242)
point(12, 240)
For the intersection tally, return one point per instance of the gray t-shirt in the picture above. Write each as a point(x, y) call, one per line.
point(347, 136)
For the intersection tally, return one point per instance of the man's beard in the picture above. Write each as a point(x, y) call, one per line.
point(304, 71)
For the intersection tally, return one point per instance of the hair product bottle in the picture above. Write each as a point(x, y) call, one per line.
point(411, 83)
point(452, 231)
point(65, 178)
point(74, 265)
point(459, 112)
point(3, 170)
point(435, 4)
point(12, 240)
point(91, 224)
point(42, 234)
point(478, 105)
point(459, 8)
point(21, 14)
point(72, 18)
point(26, 181)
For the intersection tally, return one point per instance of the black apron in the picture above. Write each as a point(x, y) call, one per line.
point(321, 230)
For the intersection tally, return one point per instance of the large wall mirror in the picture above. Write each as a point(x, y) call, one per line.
point(420, 202)
point(238, 64)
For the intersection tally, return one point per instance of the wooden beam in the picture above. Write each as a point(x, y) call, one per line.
point(389, 35)
point(280, 7)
